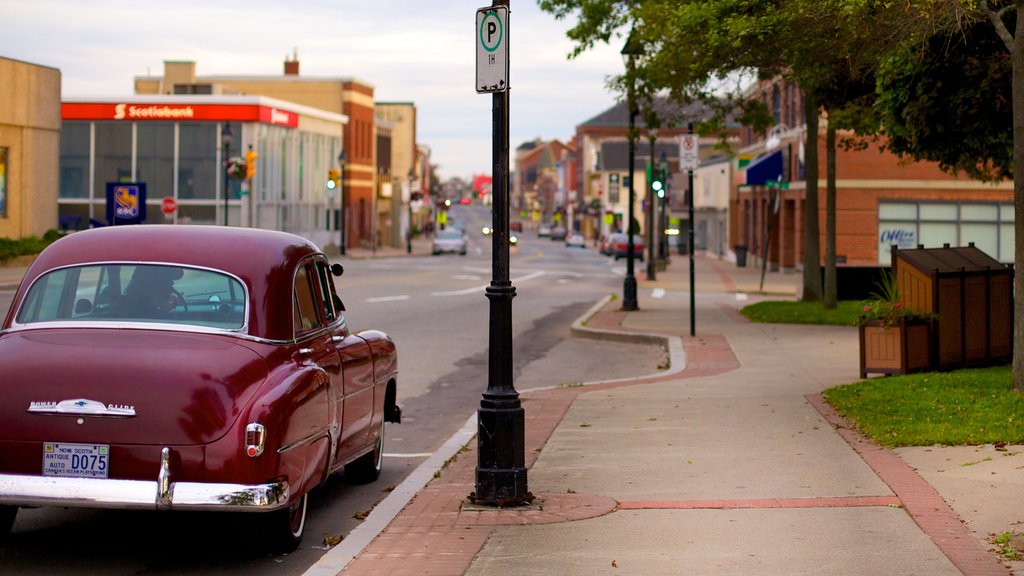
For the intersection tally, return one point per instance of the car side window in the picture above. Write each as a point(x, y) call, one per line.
point(323, 274)
point(305, 314)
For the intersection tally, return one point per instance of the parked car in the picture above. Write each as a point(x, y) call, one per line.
point(576, 240)
point(450, 241)
point(559, 233)
point(544, 230)
point(515, 226)
point(620, 246)
point(188, 368)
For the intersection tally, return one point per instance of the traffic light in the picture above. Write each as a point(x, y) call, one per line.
point(250, 163)
point(333, 178)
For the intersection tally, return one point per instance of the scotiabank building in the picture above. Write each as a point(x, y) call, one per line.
point(179, 148)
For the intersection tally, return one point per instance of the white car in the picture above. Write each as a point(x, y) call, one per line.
point(450, 241)
point(576, 240)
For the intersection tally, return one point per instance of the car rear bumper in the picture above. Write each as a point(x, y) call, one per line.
point(161, 493)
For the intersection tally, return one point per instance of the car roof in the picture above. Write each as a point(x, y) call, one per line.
point(264, 260)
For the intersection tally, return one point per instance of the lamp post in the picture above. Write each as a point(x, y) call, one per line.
point(629, 53)
point(342, 158)
point(408, 233)
point(652, 135)
point(663, 169)
point(225, 139)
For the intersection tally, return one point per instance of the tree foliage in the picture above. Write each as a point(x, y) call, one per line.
point(947, 99)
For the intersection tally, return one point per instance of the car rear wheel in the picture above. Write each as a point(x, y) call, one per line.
point(367, 467)
point(285, 527)
point(7, 514)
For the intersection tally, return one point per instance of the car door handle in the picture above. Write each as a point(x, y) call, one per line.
point(337, 339)
point(305, 350)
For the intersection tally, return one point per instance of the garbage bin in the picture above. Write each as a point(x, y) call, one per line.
point(741, 256)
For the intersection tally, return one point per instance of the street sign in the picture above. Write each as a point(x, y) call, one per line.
point(492, 49)
point(168, 205)
point(689, 148)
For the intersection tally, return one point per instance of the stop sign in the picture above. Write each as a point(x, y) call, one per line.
point(168, 205)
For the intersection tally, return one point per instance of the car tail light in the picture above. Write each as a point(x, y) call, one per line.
point(255, 436)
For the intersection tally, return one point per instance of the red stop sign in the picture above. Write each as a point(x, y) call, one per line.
point(168, 205)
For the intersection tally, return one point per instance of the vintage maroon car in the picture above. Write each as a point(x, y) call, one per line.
point(187, 368)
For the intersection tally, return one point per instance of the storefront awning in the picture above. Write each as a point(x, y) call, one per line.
point(764, 168)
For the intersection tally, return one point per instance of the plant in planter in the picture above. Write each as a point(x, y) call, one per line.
point(236, 168)
point(893, 338)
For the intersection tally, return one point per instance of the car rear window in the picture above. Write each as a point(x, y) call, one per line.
point(136, 293)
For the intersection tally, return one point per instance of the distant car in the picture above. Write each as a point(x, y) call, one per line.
point(576, 240)
point(544, 230)
point(620, 246)
point(449, 241)
point(184, 368)
point(559, 233)
point(515, 226)
point(465, 201)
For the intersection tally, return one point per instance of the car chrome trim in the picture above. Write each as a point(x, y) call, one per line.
point(82, 407)
point(163, 480)
point(17, 490)
point(309, 439)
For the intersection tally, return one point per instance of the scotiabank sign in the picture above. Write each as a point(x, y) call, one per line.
point(178, 112)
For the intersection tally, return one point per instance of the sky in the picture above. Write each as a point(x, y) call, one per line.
point(421, 51)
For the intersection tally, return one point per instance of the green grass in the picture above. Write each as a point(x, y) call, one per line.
point(963, 407)
point(785, 312)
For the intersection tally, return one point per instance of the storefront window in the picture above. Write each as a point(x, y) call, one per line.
point(74, 160)
point(155, 159)
point(3, 182)
point(197, 166)
point(933, 224)
point(113, 155)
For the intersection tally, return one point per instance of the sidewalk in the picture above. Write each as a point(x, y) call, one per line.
point(731, 464)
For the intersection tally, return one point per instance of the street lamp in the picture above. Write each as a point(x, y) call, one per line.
point(663, 169)
point(408, 233)
point(342, 158)
point(629, 54)
point(652, 134)
point(225, 139)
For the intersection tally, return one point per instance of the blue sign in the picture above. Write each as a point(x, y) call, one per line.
point(126, 203)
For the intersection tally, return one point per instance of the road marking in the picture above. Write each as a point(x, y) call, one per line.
point(408, 455)
point(388, 298)
point(479, 289)
point(465, 277)
point(658, 293)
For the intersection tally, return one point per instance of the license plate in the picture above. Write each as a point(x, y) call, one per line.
point(76, 460)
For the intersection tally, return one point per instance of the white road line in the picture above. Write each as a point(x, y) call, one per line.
point(480, 289)
point(388, 298)
point(658, 293)
point(408, 455)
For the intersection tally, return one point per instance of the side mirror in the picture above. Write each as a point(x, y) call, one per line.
point(337, 269)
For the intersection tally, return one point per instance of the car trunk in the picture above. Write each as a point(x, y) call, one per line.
point(185, 389)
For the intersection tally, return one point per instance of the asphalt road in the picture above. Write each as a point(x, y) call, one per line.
point(435, 310)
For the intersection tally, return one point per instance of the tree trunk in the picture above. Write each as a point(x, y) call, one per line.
point(812, 230)
point(831, 285)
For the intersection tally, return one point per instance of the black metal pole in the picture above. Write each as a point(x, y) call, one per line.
point(501, 451)
point(629, 301)
point(649, 213)
point(689, 207)
point(227, 178)
point(408, 233)
point(341, 209)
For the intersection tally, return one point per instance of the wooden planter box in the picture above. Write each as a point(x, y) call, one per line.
point(901, 348)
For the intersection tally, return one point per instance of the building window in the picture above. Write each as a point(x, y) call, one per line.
point(988, 225)
point(3, 182)
point(113, 156)
point(74, 160)
point(155, 159)
point(197, 164)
